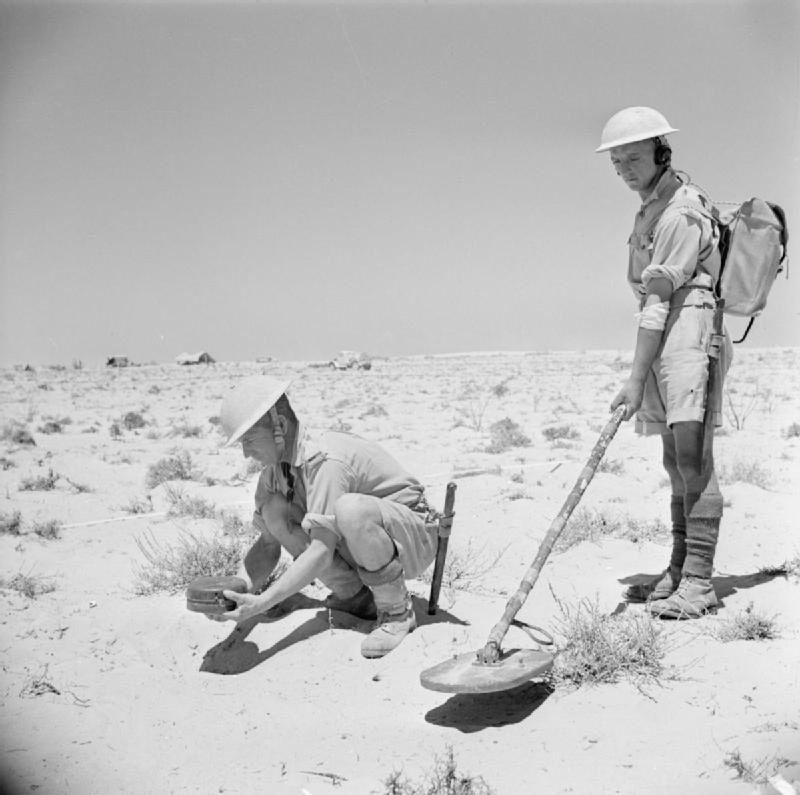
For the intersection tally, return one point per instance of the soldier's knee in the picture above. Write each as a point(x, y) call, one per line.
point(354, 512)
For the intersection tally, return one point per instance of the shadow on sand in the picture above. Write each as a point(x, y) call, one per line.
point(473, 712)
point(236, 655)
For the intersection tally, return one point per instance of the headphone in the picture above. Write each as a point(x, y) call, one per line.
point(663, 151)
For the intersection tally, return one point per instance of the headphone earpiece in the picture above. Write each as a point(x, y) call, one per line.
point(662, 153)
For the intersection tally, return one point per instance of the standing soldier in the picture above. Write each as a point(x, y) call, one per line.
point(673, 267)
point(347, 512)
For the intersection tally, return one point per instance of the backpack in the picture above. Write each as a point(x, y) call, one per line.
point(753, 245)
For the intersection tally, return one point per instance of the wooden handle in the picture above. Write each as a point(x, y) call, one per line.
point(491, 651)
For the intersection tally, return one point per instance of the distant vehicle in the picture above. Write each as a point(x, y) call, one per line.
point(351, 360)
point(201, 357)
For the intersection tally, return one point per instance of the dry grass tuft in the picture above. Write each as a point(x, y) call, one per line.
point(16, 433)
point(747, 624)
point(187, 430)
point(506, 434)
point(178, 466)
point(172, 568)
point(11, 523)
point(465, 569)
point(745, 472)
point(133, 420)
point(792, 432)
point(183, 504)
point(28, 585)
point(756, 771)
point(443, 779)
point(48, 530)
point(138, 505)
point(40, 482)
point(591, 525)
point(560, 433)
point(597, 648)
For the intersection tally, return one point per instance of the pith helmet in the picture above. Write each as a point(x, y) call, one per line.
point(633, 124)
point(247, 403)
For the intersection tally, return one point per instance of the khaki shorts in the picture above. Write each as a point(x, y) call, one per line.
point(675, 389)
point(416, 540)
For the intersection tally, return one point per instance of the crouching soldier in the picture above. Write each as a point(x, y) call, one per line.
point(344, 509)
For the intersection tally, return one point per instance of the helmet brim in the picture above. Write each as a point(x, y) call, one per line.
point(632, 139)
point(259, 410)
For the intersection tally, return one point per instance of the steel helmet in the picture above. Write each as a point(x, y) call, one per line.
point(247, 403)
point(633, 124)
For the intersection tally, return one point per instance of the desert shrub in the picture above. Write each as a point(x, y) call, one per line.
point(746, 472)
point(11, 523)
point(39, 482)
point(51, 426)
point(177, 466)
point(375, 410)
point(738, 409)
point(16, 433)
point(506, 434)
point(6, 463)
point(154, 390)
point(747, 624)
point(114, 430)
point(792, 432)
point(138, 505)
point(133, 420)
point(443, 779)
point(475, 399)
point(560, 432)
point(591, 525)
point(28, 585)
point(757, 771)
point(172, 568)
point(79, 488)
point(183, 504)
point(49, 530)
point(465, 568)
point(597, 648)
point(232, 525)
point(187, 429)
point(611, 466)
point(215, 420)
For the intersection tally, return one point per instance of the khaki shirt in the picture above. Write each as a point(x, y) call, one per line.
point(674, 237)
point(337, 464)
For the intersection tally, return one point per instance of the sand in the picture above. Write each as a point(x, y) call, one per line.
point(107, 690)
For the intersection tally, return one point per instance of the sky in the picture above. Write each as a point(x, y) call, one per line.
point(259, 179)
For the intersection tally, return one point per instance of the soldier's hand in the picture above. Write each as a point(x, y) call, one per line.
point(631, 396)
point(247, 606)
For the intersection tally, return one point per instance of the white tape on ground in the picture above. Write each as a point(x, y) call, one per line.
point(429, 480)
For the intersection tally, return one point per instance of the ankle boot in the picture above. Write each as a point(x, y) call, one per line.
point(361, 604)
point(695, 596)
point(665, 584)
point(396, 617)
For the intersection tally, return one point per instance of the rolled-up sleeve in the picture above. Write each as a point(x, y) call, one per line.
point(677, 243)
point(332, 480)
